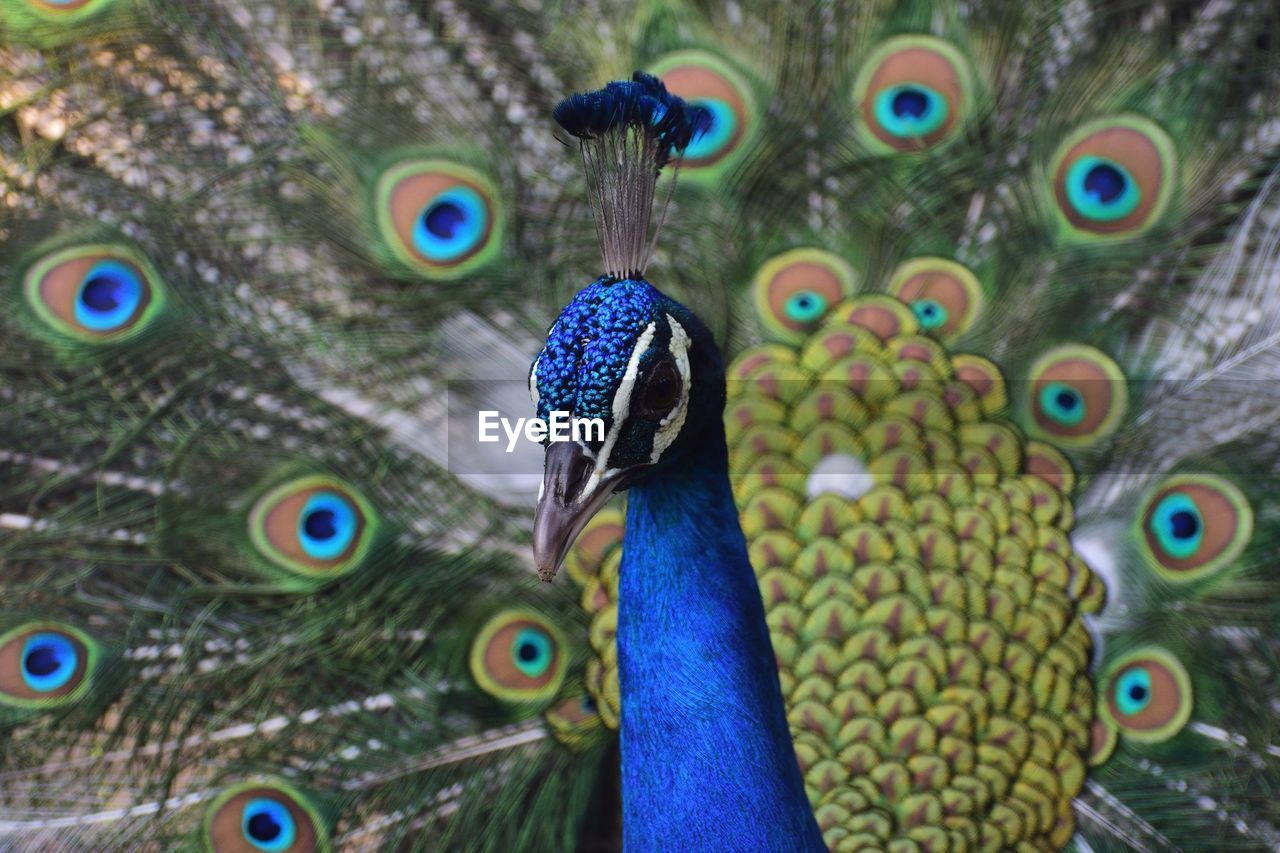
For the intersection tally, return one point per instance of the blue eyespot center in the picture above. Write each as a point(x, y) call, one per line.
point(102, 293)
point(910, 109)
point(1105, 182)
point(109, 295)
point(443, 219)
point(268, 825)
point(532, 652)
point(1184, 525)
point(451, 225)
point(1178, 525)
point(327, 525)
point(320, 524)
point(1133, 691)
point(805, 306)
point(1062, 403)
point(910, 103)
point(48, 662)
point(930, 313)
point(714, 131)
point(263, 827)
point(1102, 190)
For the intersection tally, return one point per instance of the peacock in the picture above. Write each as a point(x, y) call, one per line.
point(934, 508)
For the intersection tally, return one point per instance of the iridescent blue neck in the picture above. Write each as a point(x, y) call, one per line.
point(707, 760)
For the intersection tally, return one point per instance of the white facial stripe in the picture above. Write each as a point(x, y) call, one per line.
point(621, 408)
point(533, 381)
point(671, 425)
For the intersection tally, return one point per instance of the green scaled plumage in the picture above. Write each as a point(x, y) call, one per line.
point(948, 358)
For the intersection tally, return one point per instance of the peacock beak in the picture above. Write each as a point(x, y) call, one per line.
point(568, 501)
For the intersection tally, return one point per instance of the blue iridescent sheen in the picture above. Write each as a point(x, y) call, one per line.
point(108, 296)
point(1101, 189)
point(910, 109)
point(805, 306)
point(1178, 525)
point(930, 313)
point(49, 661)
point(532, 652)
point(714, 768)
point(1133, 691)
point(326, 526)
point(690, 616)
point(587, 350)
point(1062, 403)
point(451, 225)
point(267, 825)
point(642, 102)
point(716, 132)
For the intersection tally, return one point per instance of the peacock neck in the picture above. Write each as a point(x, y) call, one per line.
point(707, 759)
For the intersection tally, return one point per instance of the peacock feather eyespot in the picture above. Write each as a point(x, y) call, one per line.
point(1113, 178)
point(94, 294)
point(60, 5)
point(65, 10)
point(1078, 395)
point(913, 92)
point(945, 297)
point(316, 526)
point(575, 720)
point(442, 219)
point(263, 817)
point(1103, 735)
point(1194, 525)
point(1147, 695)
point(705, 80)
point(45, 664)
point(795, 290)
point(519, 656)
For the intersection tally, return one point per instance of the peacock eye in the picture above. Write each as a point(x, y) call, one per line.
point(945, 296)
point(61, 7)
point(1194, 525)
point(1148, 695)
point(439, 217)
point(44, 665)
point(912, 93)
point(268, 824)
point(1113, 178)
point(910, 110)
point(518, 656)
point(1077, 395)
point(661, 392)
point(94, 293)
point(265, 816)
point(312, 526)
point(706, 81)
point(795, 290)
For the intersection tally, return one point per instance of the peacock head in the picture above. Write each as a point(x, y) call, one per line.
point(650, 371)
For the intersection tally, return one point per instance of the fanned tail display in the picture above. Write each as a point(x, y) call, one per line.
point(997, 289)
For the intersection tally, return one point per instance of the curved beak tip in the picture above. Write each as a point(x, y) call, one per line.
point(564, 508)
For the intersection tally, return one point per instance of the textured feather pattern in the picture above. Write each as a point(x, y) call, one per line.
point(999, 290)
